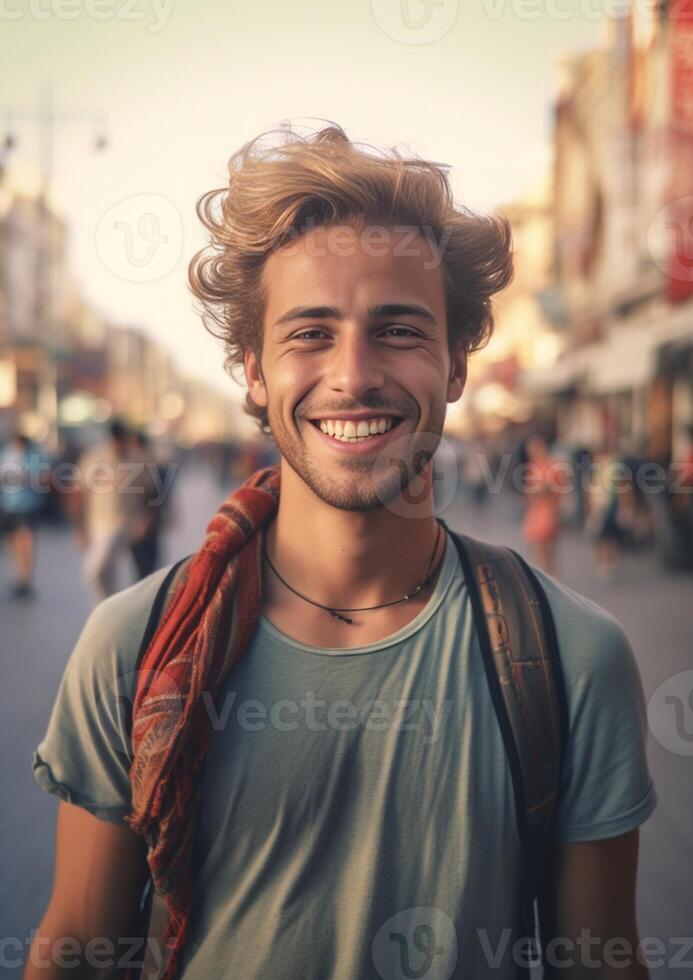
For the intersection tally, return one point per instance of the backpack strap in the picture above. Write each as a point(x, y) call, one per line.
point(161, 599)
point(164, 593)
point(519, 647)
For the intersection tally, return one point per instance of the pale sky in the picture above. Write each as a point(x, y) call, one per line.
point(183, 83)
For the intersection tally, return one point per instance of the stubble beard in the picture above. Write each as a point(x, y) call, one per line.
point(360, 484)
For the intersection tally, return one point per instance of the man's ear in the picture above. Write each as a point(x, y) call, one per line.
point(458, 374)
point(254, 378)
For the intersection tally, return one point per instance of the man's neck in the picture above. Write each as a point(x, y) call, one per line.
point(349, 558)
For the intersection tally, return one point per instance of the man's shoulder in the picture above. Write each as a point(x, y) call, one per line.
point(606, 788)
point(593, 645)
point(113, 633)
point(134, 602)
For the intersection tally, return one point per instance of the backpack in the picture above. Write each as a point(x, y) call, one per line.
point(519, 647)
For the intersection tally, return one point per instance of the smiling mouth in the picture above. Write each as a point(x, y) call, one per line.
point(353, 432)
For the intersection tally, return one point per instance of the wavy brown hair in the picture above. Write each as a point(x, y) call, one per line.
point(281, 183)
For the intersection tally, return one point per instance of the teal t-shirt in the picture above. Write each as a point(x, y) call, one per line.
point(357, 817)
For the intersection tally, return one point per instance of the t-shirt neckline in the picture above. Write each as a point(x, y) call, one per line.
point(450, 563)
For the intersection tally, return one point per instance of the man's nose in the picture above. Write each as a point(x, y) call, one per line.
point(354, 366)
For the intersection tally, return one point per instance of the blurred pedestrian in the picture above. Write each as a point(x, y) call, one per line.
point(108, 506)
point(146, 525)
point(64, 480)
point(686, 464)
point(581, 459)
point(681, 494)
point(475, 466)
point(542, 487)
point(603, 524)
point(21, 479)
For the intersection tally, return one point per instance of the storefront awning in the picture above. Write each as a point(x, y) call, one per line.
point(620, 366)
point(564, 375)
point(628, 357)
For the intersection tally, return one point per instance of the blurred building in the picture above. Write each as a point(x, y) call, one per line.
point(36, 292)
point(525, 338)
point(61, 358)
point(208, 416)
point(623, 239)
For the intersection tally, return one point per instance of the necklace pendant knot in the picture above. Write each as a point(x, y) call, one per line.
point(336, 615)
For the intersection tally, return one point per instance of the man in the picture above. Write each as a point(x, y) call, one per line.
point(22, 481)
point(356, 815)
point(154, 512)
point(114, 489)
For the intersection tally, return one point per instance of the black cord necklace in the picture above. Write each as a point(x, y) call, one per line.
point(335, 611)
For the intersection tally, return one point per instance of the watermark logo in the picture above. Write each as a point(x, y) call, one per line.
point(433, 463)
point(416, 944)
point(670, 713)
point(670, 239)
point(139, 477)
point(131, 953)
point(154, 12)
point(311, 713)
point(140, 238)
point(373, 240)
point(415, 21)
point(586, 10)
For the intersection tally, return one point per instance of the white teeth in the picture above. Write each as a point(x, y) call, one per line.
point(349, 431)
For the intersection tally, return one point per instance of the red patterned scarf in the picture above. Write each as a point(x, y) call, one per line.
point(201, 636)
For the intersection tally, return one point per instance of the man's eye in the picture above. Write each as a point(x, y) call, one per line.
point(305, 334)
point(406, 330)
point(302, 334)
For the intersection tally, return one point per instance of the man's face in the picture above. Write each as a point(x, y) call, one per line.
point(352, 329)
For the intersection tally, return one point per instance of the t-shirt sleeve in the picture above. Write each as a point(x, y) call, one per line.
point(606, 788)
point(85, 755)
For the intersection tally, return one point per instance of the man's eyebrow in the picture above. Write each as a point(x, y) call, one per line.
point(308, 313)
point(375, 312)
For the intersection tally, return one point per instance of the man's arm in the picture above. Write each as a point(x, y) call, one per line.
point(100, 873)
point(593, 911)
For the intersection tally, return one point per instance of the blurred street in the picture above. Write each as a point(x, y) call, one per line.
point(652, 604)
